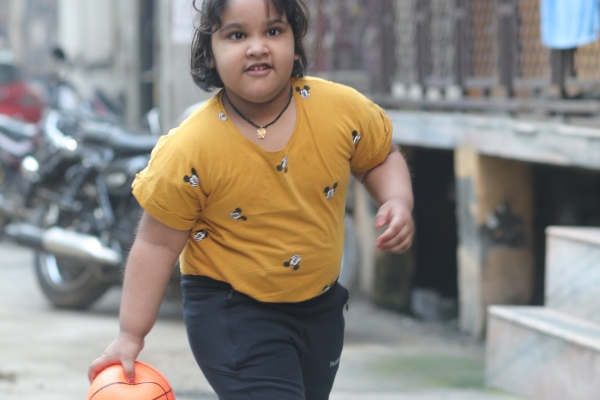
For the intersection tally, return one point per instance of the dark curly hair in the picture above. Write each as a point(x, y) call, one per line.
point(209, 21)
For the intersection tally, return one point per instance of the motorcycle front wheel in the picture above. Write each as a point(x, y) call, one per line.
point(69, 283)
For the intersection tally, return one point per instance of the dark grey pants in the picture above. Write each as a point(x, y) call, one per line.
point(253, 350)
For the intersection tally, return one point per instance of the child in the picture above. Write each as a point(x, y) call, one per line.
point(250, 189)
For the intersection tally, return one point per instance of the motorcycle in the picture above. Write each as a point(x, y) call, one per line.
point(81, 215)
point(17, 141)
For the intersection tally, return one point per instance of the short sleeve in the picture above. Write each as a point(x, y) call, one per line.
point(372, 143)
point(169, 187)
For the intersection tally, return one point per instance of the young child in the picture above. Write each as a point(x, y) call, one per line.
point(249, 193)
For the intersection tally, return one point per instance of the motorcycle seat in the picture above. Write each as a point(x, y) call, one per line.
point(127, 143)
point(17, 130)
point(121, 141)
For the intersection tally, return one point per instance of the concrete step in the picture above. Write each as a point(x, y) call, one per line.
point(542, 354)
point(573, 271)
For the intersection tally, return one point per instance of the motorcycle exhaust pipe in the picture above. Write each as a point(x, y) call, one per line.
point(63, 243)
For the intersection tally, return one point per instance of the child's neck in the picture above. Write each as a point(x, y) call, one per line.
point(269, 125)
point(259, 113)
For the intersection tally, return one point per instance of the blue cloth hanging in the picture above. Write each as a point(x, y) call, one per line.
point(568, 24)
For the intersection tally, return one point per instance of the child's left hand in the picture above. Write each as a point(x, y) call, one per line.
point(398, 236)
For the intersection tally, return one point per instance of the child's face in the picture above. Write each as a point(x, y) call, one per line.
point(253, 52)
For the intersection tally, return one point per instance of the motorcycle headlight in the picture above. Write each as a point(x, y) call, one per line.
point(30, 168)
point(70, 144)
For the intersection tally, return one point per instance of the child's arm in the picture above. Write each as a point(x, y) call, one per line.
point(390, 187)
point(149, 268)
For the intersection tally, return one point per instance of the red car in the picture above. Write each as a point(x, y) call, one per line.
point(17, 100)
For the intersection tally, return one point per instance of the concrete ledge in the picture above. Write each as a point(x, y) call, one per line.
point(499, 136)
point(542, 353)
point(554, 323)
point(573, 271)
point(582, 234)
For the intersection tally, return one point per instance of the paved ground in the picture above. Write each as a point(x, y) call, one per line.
point(44, 353)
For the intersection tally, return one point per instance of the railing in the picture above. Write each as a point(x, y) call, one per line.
point(421, 51)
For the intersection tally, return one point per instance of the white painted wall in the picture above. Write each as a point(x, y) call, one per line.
point(100, 38)
point(177, 89)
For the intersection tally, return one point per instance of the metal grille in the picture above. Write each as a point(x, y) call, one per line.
point(587, 61)
point(534, 58)
point(406, 70)
point(344, 35)
point(442, 42)
point(477, 44)
point(484, 39)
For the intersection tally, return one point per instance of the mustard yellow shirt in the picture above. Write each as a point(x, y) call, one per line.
point(270, 223)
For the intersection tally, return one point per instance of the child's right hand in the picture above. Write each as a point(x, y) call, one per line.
point(124, 350)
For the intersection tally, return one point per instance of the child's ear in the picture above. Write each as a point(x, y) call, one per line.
point(296, 57)
point(211, 60)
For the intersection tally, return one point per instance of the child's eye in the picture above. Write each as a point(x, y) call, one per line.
point(236, 36)
point(273, 32)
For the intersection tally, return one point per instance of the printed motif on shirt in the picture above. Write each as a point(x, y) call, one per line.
point(200, 235)
point(355, 137)
point(330, 191)
point(237, 215)
point(283, 166)
point(304, 92)
point(192, 179)
point(293, 262)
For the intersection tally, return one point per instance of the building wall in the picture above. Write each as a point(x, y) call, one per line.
point(177, 90)
point(100, 39)
point(29, 28)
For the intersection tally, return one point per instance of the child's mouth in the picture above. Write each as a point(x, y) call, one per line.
point(258, 68)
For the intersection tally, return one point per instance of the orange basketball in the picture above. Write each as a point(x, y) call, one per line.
point(111, 384)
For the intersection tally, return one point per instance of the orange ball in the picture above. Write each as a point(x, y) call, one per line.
point(150, 384)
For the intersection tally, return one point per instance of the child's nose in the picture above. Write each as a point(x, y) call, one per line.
point(257, 48)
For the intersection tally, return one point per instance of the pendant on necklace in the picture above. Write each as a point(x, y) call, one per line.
point(261, 132)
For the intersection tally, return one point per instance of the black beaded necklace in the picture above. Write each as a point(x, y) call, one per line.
point(262, 129)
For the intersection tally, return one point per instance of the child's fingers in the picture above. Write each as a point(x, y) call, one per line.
point(395, 222)
point(98, 366)
point(392, 231)
point(129, 369)
point(398, 235)
point(122, 351)
point(382, 217)
point(399, 229)
point(396, 240)
point(399, 243)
